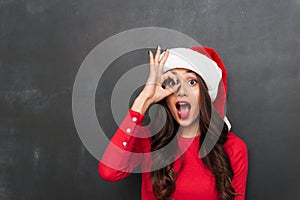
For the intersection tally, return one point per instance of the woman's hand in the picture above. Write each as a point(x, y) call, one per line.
point(153, 90)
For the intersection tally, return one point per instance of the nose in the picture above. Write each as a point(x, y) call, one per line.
point(182, 90)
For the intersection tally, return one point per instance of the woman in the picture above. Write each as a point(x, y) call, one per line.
point(193, 156)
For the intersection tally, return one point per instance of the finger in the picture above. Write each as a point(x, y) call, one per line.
point(171, 90)
point(151, 60)
point(169, 75)
point(163, 60)
point(157, 55)
point(165, 57)
point(151, 76)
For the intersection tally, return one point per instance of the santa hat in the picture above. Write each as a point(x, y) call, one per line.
point(206, 63)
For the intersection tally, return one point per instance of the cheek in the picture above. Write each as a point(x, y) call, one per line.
point(197, 98)
point(197, 94)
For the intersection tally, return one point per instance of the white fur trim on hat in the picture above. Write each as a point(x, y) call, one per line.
point(227, 122)
point(198, 63)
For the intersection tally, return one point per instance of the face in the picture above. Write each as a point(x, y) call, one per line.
point(184, 102)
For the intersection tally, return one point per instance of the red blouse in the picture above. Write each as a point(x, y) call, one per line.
point(131, 146)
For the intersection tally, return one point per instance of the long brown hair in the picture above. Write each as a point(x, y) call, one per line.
point(163, 180)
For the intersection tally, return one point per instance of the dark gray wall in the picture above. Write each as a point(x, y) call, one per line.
point(43, 43)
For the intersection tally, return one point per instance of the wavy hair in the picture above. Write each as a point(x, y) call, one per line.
point(164, 178)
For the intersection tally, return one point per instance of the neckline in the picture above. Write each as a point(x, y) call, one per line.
point(187, 139)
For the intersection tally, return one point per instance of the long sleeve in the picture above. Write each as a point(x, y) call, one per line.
point(124, 151)
point(238, 154)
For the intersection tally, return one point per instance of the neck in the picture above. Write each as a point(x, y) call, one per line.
point(190, 131)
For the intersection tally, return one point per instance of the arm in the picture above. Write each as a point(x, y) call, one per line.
point(123, 153)
point(238, 154)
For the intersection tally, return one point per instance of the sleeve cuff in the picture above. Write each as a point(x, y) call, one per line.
point(128, 130)
point(136, 117)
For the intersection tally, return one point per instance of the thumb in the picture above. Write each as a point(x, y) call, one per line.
point(171, 90)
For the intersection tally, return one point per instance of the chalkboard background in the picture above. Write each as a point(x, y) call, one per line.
point(43, 43)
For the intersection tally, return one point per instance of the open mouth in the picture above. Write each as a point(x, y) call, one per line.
point(183, 109)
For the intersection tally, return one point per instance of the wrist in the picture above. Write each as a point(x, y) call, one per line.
point(141, 104)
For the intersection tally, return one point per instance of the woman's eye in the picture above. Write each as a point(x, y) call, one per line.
point(192, 82)
point(169, 83)
point(172, 82)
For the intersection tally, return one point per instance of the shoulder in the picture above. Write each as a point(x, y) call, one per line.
point(234, 144)
point(236, 149)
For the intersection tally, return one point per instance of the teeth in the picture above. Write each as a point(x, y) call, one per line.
point(182, 104)
point(178, 105)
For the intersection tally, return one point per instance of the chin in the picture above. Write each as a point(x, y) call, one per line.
point(183, 123)
point(187, 122)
